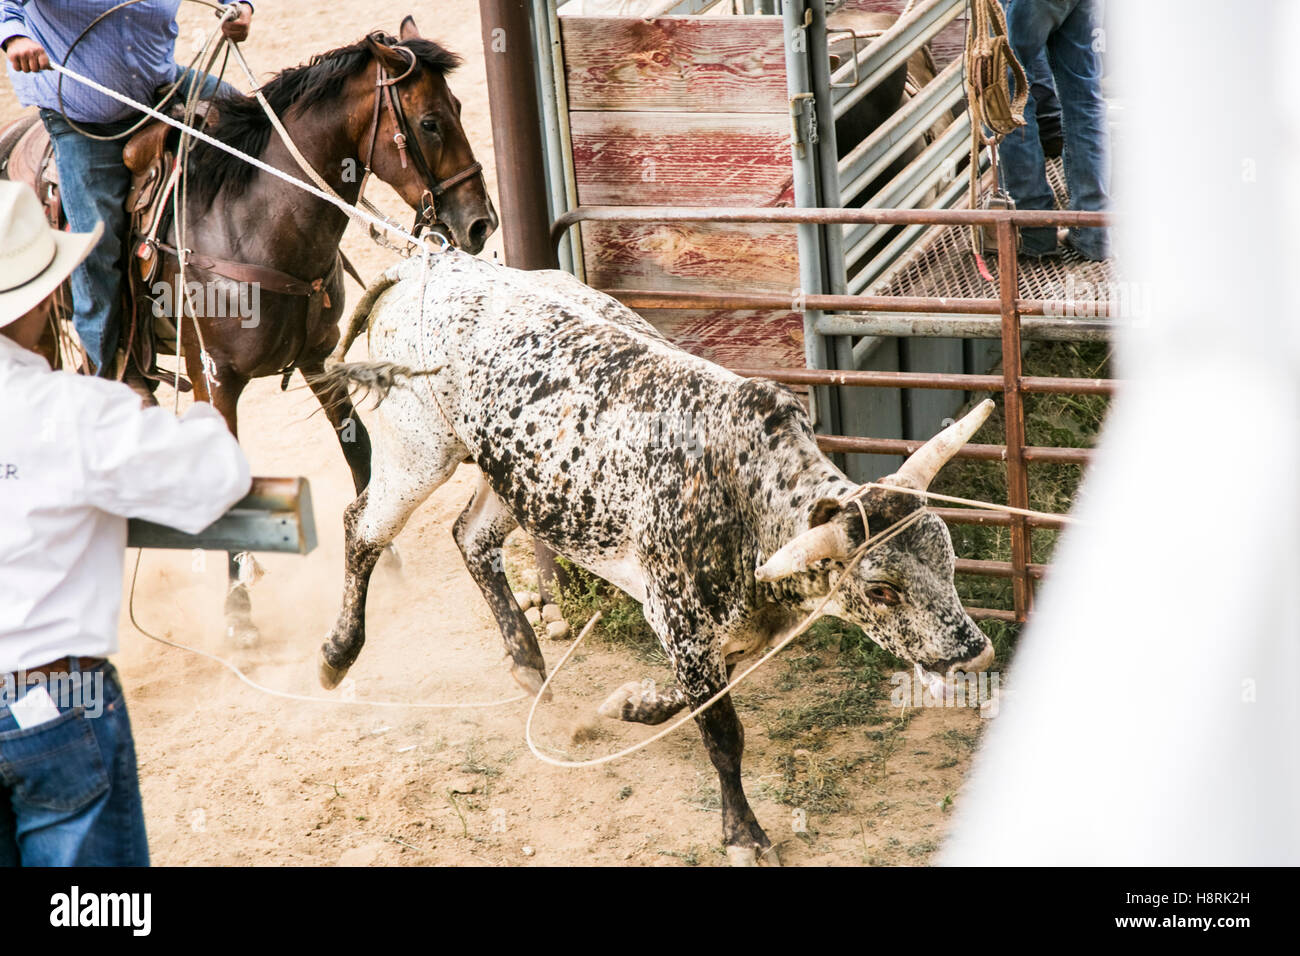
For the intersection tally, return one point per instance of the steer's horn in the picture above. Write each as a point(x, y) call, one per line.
point(828, 540)
point(921, 467)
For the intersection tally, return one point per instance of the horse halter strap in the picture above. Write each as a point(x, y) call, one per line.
point(388, 98)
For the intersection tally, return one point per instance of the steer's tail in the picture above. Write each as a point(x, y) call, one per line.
point(378, 378)
point(361, 316)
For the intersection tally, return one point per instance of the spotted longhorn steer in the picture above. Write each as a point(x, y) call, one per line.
point(701, 494)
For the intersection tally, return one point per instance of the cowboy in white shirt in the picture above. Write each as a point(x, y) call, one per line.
point(78, 456)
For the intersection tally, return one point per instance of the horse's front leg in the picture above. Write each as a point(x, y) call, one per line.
point(342, 414)
point(223, 392)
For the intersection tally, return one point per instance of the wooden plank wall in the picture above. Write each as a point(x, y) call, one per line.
point(687, 111)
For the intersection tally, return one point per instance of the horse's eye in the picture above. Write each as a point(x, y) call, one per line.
point(883, 594)
point(429, 125)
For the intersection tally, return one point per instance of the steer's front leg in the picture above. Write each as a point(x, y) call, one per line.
point(700, 673)
point(724, 738)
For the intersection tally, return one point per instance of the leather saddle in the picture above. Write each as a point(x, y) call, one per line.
point(27, 155)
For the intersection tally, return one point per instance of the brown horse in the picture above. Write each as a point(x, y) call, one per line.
point(263, 278)
point(238, 213)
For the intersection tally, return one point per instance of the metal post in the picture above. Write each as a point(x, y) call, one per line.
point(509, 42)
point(1017, 476)
point(804, 130)
point(508, 45)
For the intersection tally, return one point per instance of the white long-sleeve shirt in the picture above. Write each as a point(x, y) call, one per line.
point(78, 457)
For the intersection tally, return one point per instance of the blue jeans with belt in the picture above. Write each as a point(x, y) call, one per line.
point(69, 792)
point(93, 184)
point(1068, 30)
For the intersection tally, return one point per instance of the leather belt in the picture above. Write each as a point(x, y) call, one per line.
point(51, 669)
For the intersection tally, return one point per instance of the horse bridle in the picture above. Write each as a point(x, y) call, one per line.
point(426, 216)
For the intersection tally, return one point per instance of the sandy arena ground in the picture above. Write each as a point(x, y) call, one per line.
point(232, 776)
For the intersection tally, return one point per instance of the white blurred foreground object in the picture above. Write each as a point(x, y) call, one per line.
point(1152, 714)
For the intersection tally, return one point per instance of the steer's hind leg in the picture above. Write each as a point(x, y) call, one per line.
point(402, 478)
point(480, 531)
point(642, 703)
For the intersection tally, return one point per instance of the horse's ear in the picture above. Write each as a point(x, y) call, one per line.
point(408, 29)
point(393, 61)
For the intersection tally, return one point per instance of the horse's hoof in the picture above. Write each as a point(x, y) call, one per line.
point(531, 680)
point(329, 674)
point(613, 705)
point(769, 857)
point(243, 634)
point(742, 855)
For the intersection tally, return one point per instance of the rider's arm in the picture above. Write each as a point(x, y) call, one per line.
point(181, 472)
point(12, 23)
point(237, 29)
point(25, 54)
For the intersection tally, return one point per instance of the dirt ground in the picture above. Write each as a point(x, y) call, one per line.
point(232, 776)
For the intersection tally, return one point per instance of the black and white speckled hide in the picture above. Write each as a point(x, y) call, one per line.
point(664, 474)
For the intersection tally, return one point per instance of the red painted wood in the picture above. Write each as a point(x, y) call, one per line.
point(691, 256)
point(762, 339)
point(678, 64)
point(682, 159)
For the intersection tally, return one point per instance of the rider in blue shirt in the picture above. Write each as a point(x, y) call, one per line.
point(132, 52)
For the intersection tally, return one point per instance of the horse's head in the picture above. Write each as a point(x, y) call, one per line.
point(437, 169)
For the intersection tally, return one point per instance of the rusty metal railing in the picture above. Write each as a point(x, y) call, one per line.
point(1008, 306)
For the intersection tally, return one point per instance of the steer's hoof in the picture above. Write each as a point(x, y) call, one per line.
point(329, 674)
point(742, 855)
point(613, 705)
point(531, 680)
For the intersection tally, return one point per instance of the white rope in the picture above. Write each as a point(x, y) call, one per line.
point(305, 698)
point(351, 211)
point(987, 505)
point(811, 618)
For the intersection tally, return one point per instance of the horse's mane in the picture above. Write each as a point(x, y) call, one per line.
point(242, 123)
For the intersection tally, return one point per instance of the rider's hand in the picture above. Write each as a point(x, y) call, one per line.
point(26, 55)
point(237, 29)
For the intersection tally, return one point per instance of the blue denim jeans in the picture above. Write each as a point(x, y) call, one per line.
point(69, 793)
point(1045, 103)
point(1067, 31)
point(93, 184)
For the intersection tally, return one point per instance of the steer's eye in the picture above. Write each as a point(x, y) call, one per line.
point(883, 594)
point(429, 125)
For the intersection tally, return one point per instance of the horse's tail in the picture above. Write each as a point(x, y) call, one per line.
point(360, 317)
point(377, 377)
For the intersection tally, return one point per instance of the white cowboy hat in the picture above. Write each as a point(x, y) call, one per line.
point(34, 258)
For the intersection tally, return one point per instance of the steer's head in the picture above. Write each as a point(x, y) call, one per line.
point(901, 590)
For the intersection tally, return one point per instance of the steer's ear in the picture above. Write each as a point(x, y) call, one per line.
point(825, 539)
point(823, 511)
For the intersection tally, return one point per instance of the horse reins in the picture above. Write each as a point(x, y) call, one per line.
point(387, 99)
